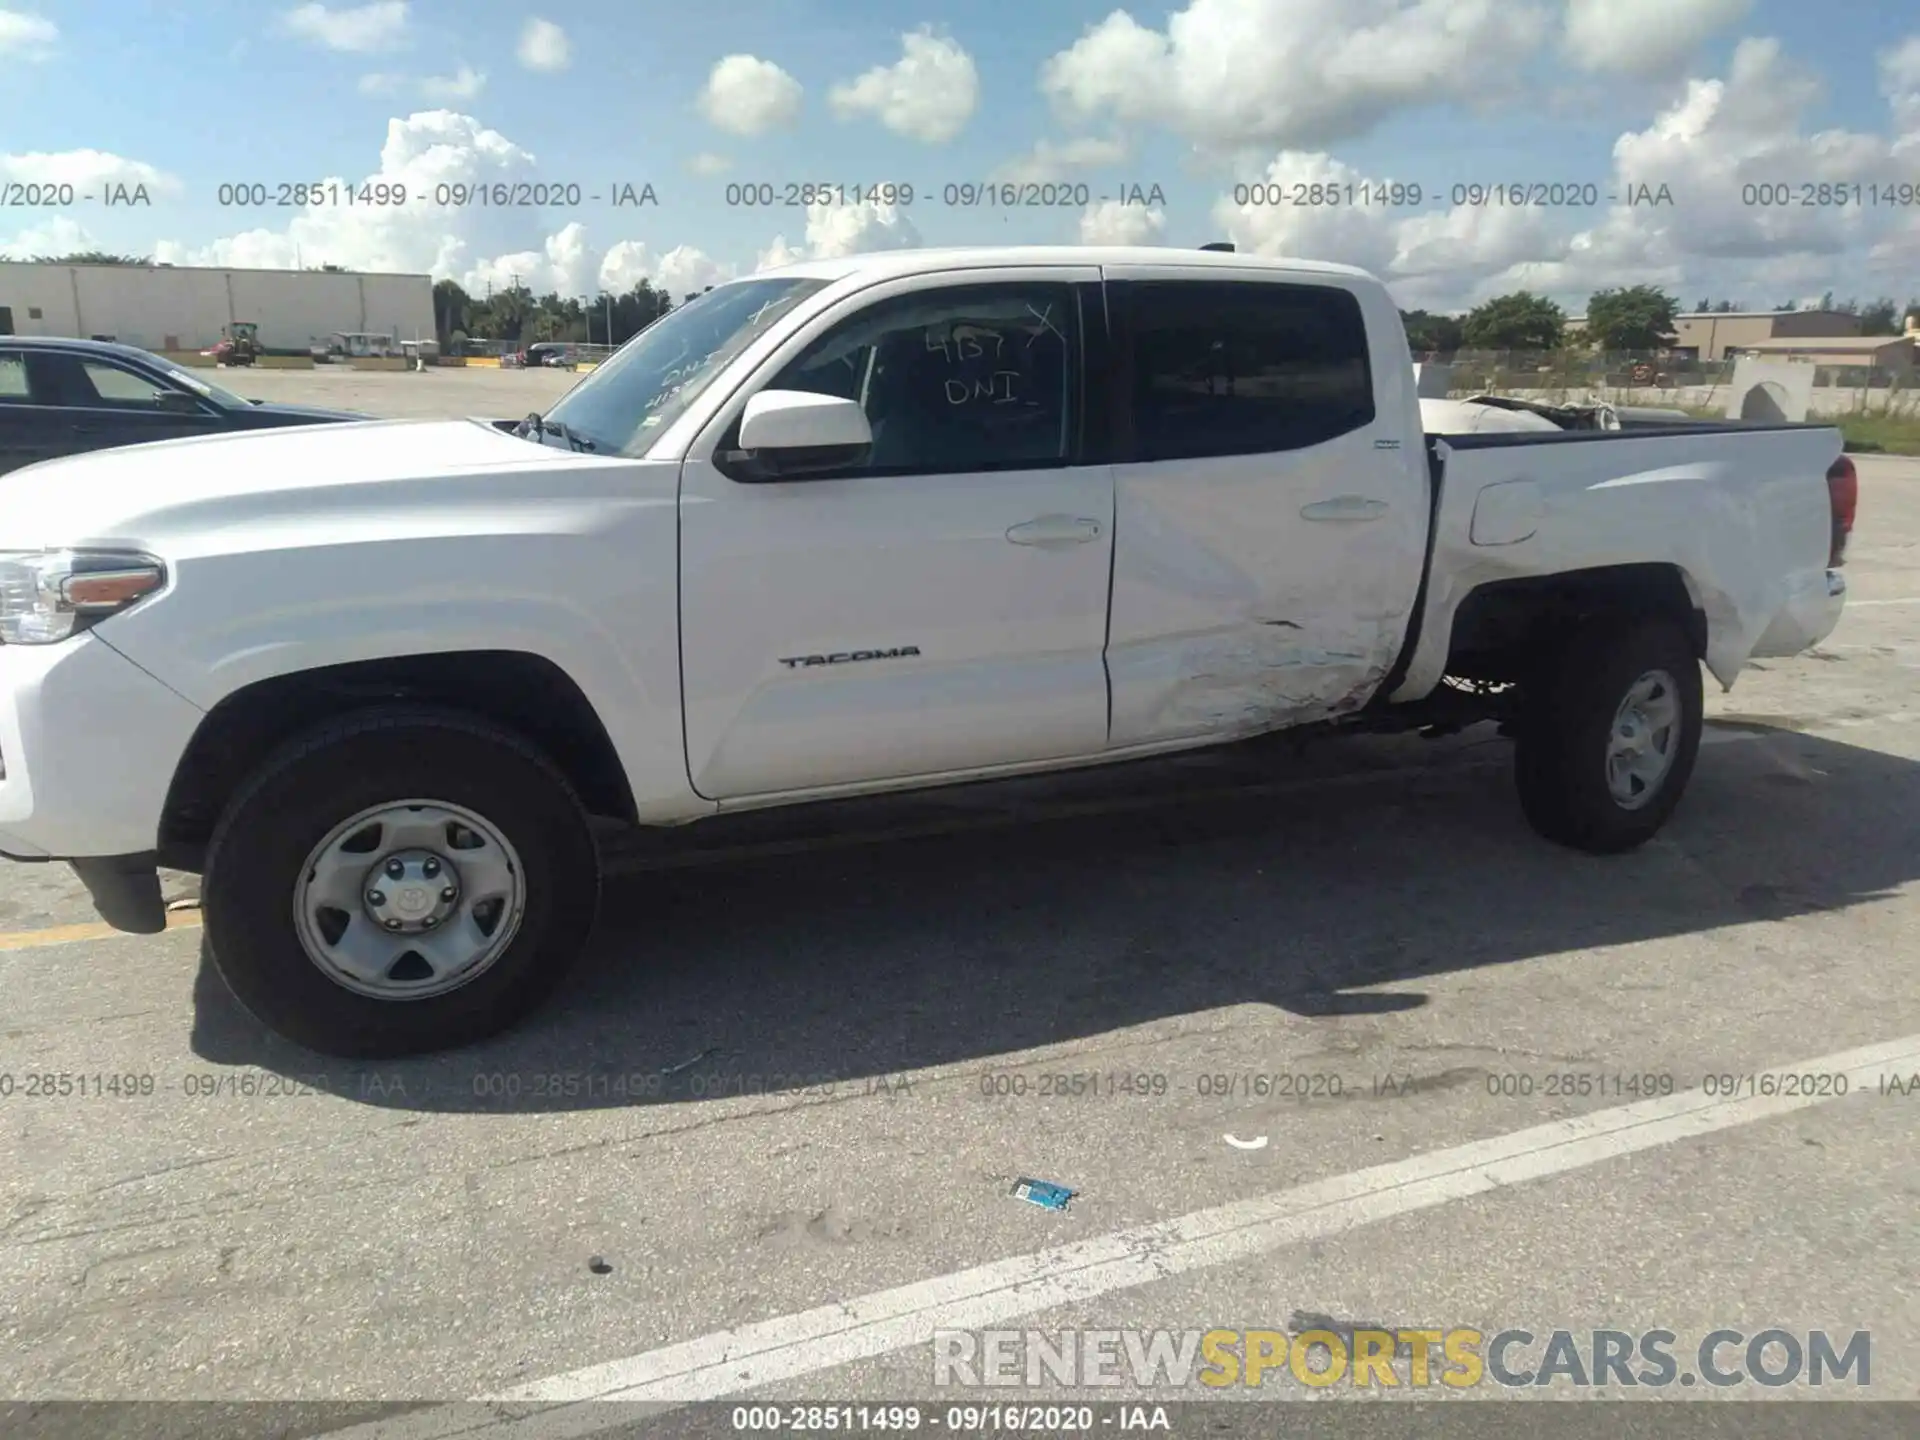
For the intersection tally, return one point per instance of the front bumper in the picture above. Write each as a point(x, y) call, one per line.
point(88, 747)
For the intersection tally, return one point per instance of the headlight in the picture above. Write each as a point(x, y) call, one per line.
point(48, 595)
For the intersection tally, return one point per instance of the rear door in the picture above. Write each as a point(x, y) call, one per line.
point(1270, 507)
point(940, 607)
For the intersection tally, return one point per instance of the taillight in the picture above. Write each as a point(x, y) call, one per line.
point(1843, 495)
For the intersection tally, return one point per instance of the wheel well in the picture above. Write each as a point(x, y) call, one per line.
point(1501, 627)
point(525, 693)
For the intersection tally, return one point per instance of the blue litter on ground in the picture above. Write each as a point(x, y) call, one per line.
point(1043, 1193)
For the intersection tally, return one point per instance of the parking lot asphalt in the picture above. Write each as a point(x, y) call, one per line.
point(764, 1142)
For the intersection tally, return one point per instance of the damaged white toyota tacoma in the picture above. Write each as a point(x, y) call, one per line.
point(858, 525)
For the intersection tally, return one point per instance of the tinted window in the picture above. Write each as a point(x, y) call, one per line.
point(118, 387)
point(1244, 368)
point(977, 377)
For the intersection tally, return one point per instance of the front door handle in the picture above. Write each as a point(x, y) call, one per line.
point(1345, 507)
point(1054, 531)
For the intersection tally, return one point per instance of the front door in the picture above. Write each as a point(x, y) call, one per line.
point(940, 607)
point(91, 403)
point(1270, 502)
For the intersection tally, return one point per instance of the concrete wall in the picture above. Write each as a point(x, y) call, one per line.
point(175, 308)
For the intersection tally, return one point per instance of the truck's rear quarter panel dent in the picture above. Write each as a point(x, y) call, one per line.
point(1742, 516)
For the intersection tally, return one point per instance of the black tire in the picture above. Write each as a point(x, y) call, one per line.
point(1560, 758)
point(331, 774)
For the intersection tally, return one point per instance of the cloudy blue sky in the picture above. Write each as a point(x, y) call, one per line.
point(1708, 98)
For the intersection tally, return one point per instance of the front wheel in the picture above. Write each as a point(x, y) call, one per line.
point(1608, 737)
point(397, 883)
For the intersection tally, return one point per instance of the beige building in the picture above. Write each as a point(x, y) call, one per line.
point(167, 307)
point(1881, 352)
point(1713, 336)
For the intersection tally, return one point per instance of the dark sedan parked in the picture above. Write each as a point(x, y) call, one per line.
point(62, 397)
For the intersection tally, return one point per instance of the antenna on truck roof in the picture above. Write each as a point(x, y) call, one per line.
point(1222, 245)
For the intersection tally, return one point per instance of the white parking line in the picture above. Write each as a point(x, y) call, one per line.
point(731, 1362)
point(1906, 600)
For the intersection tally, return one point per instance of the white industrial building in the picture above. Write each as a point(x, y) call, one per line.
point(178, 307)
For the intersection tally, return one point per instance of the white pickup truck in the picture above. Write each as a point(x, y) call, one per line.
point(858, 525)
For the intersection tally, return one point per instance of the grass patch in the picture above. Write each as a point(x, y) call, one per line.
point(1863, 432)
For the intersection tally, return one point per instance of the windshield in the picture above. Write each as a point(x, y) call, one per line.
point(625, 404)
point(202, 388)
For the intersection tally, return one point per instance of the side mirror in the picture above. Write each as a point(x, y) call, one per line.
point(785, 433)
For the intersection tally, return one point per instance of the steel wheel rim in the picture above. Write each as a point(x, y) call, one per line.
point(1643, 740)
point(409, 900)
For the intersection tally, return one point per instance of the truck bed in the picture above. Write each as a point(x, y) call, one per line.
point(1739, 509)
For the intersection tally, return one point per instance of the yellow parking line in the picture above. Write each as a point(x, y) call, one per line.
point(92, 930)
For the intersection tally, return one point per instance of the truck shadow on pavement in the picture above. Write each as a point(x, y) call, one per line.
point(1306, 888)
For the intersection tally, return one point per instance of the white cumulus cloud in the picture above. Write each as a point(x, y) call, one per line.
point(463, 85)
point(1644, 37)
point(544, 46)
point(1235, 74)
point(26, 36)
point(708, 163)
point(745, 95)
point(87, 171)
point(928, 94)
point(1900, 83)
point(834, 231)
point(1051, 161)
point(1702, 223)
point(1110, 222)
point(359, 28)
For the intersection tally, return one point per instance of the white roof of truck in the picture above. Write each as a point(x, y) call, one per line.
point(893, 264)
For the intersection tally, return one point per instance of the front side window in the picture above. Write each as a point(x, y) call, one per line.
point(13, 380)
point(627, 403)
point(966, 378)
point(121, 389)
point(1245, 367)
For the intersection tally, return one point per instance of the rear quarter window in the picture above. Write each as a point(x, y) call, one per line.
point(1244, 367)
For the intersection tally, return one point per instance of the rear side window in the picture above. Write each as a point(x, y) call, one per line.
point(13, 379)
point(1244, 367)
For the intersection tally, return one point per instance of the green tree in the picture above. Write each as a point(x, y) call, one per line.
point(93, 257)
point(452, 309)
point(1880, 317)
point(1637, 317)
point(1520, 321)
point(1431, 334)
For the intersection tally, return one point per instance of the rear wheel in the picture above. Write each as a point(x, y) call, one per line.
point(399, 882)
point(1609, 733)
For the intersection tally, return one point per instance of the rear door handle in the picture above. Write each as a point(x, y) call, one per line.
point(1055, 531)
point(1345, 507)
